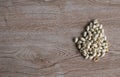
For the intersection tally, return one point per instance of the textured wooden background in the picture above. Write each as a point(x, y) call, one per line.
point(36, 38)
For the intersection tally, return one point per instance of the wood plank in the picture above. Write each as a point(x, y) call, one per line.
point(36, 38)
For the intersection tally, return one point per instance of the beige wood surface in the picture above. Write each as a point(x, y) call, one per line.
point(36, 38)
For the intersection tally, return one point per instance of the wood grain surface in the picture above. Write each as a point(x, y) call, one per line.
point(36, 38)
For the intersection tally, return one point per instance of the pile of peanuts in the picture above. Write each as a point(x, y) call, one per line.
point(93, 43)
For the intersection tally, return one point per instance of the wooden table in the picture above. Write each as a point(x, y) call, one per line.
point(36, 38)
